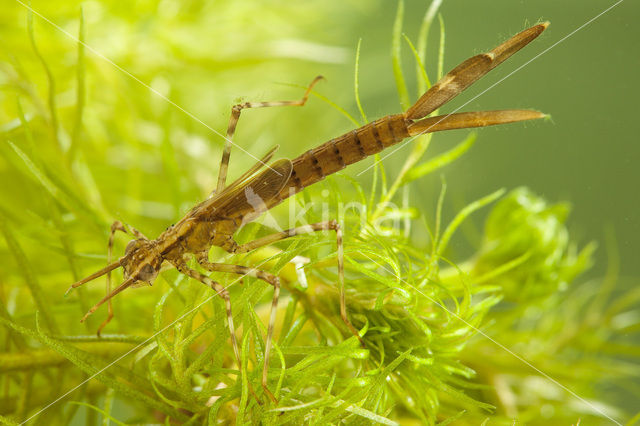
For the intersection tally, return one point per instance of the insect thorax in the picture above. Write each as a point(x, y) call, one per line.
point(197, 236)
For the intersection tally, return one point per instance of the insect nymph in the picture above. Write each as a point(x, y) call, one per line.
point(214, 221)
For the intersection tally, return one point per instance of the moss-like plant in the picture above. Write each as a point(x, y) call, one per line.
point(505, 335)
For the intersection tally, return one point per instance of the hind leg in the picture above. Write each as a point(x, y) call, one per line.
point(233, 121)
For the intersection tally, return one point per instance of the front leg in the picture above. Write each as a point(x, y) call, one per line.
point(268, 278)
point(182, 267)
point(115, 227)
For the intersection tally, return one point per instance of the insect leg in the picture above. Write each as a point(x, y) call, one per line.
point(220, 291)
point(127, 229)
point(331, 225)
point(115, 226)
point(233, 121)
point(262, 275)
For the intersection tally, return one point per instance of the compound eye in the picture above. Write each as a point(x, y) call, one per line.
point(146, 273)
point(130, 246)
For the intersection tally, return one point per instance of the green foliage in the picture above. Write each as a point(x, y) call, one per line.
point(446, 338)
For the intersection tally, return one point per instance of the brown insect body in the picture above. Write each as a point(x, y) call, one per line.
point(214, 221)
point(334, 155)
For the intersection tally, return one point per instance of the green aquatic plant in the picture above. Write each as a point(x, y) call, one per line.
point(504, 334)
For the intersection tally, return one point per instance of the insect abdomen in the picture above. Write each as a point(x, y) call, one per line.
point(334, 155)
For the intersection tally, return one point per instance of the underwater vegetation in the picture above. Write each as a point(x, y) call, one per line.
point(510, 331)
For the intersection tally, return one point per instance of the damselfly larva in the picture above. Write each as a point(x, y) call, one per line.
point(214, 221)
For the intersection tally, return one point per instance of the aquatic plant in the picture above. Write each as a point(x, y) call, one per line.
point(507, 333)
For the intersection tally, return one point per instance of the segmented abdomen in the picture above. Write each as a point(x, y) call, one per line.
point(336, 154)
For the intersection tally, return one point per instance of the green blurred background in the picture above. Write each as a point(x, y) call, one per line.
point(142, 158)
